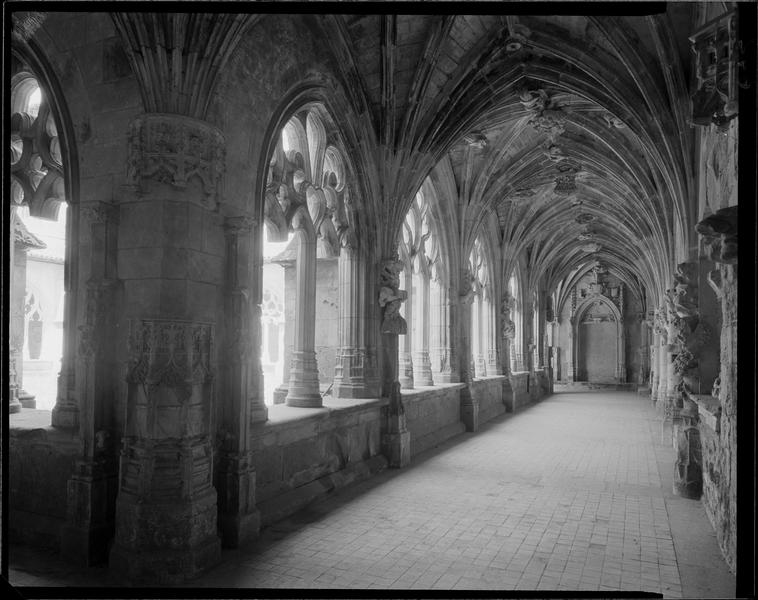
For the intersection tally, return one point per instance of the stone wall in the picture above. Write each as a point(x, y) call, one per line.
point(41, 460)
point(520, 385)
point(719, 449)
point(303, 454)
point(489, 393)
point(433, 415)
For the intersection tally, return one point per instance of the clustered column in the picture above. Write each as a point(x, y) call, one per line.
point(354, 370)
point(243, 404)
point(405, 357)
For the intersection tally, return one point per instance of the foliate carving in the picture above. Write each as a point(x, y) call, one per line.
point(391, 297)
point(719, 232)
point(548, 117)
point(175, 354)
point(175, 149)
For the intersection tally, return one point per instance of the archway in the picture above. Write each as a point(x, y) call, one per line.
point(598, 335)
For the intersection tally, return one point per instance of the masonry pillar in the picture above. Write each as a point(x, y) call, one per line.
point(405, 357)
point(422, 367)
point(571, 351)
point(243, 403)
point(352, 373)
point(490, 333)
point(92, 488)
point(469, 404)
point(396, 439)
point(303, 388)
point(173, 238)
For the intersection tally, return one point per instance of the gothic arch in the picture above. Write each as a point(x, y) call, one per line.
point(576, 321)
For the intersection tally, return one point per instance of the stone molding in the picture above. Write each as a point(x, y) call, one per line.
point(175, 149)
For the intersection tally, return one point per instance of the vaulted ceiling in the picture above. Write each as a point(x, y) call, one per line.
point(570, 131)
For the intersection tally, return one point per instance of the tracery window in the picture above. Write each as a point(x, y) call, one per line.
point(423, 353)
point(482, 317)
point(38, 222)
point(306, 210)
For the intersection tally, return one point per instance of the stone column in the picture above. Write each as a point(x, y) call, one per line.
point(469, 404)
point(477, 335)
point(439, 351)
point(571, 351)
point(663, 359)
point(493, 362)
point(173, 239)
point(243, 403)
point(405, 356)
point(351, 373)
point(93, 485)
point(396, 439)
point(422, 367)
point(303, 388)
point(65, 414)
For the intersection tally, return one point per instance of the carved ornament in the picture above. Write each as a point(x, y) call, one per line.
point(391, 297)
point(175, 149)
point(719, 232)
point(174, 354)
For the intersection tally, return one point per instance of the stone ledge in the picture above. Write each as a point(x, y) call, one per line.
point(419, 393)
point(281, 415)
point(35, 425)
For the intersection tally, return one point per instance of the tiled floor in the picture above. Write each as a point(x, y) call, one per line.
point(564, 495)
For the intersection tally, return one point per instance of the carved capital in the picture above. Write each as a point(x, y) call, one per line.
point(239, 225)
point(176, 150)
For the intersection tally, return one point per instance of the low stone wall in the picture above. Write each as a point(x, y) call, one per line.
point(489, 392)
point(433, 415)
point(40, 463)
point(302, 454)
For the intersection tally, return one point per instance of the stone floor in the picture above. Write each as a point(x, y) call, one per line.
point(572, 493)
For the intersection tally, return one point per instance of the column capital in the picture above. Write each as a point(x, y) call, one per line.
point(239, 225)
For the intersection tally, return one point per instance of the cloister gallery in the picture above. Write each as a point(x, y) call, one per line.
point(256, 258)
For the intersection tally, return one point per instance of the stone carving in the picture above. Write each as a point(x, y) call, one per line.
point(719, 232)
point(565, 183)
point(717, 60)
point(175, 149)
point(613, 121)
point(391, 297)
point(584, 218)
point(173, 354)
point(476, 139)
point(548, 117)
point(509, 327)
point(98, 213)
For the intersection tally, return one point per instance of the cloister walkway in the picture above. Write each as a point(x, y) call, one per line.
point(571, 493)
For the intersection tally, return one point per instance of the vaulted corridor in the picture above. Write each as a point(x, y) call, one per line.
point(571, 493)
